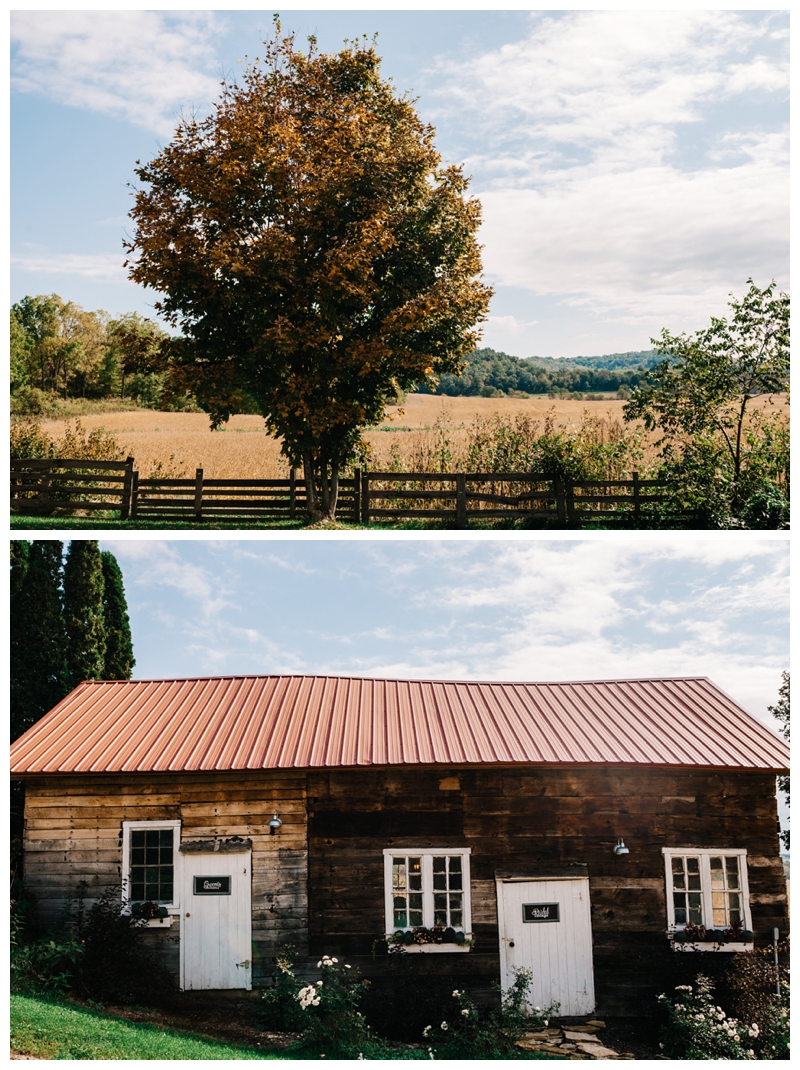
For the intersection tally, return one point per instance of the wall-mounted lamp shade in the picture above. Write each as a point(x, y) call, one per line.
point(620, 848)
point(274, 824)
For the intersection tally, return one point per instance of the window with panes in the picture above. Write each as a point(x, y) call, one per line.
point(707, 888)
point(152, 868)
point(428, 888)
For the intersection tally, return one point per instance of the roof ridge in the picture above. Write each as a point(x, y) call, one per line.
point(395, 679)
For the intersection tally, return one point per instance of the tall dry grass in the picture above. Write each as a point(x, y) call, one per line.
point(423, 434)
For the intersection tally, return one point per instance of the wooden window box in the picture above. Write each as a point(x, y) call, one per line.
point(435, 949)
point(710, 945)
point(158, 923)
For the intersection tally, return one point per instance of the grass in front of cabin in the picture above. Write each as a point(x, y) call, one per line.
point(49, 1030)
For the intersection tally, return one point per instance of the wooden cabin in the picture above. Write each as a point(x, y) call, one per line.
point(574, 829)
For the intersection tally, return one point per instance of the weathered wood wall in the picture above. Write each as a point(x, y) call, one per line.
point(538, 817)
point(73, 834)
point(318, 884)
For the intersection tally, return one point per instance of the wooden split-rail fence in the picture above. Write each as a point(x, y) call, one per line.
point(70, 487)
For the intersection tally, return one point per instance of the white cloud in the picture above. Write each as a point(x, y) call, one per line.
point(161, 564)
point(102, 267)
point(603, 610)
point(141, 66)
point(613, 167)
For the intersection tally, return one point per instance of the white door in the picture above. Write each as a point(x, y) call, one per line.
point(216, 921)
point(545, 927)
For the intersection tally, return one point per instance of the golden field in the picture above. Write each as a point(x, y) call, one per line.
point(181, 442)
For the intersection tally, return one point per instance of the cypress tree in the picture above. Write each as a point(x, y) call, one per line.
point(119, 659)
point(83, 612)
point(38, 676)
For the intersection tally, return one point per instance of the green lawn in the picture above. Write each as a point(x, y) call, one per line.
point(58, 1031)
point(72, 523)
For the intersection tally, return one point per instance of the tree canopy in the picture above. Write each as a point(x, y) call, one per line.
point(69, 622)
point(780, 712)
point(722, 453)
point(314, 251)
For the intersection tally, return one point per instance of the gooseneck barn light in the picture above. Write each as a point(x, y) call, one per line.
point(274, 824)
point(619, 847)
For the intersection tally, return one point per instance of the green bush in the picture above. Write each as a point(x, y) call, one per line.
point(766, 509)
point(44, 966)
point(697, 1028)
point(465, 1034)
point(279, 1008)
point(114, 964)
point(334, 1023)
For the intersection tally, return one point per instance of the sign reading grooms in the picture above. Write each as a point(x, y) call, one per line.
point(212, 886)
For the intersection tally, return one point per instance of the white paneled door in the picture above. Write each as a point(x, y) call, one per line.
point(545, 927)
point(216, 921)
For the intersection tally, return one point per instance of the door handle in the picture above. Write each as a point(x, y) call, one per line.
point(510, 943)
point(246, 964)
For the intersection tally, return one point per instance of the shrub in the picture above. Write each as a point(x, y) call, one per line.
point(333, 1022)
point(114, 964)
point(30, 441)
point(749, 987)
point(464, 1034)
point(767, 509)
point(279, 1008)
point(44, 966)
point(31, 401)
point(698, 1029)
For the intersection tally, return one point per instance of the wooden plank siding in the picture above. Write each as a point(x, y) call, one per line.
point(546, 817)
point(318, 883)
point(73, 834)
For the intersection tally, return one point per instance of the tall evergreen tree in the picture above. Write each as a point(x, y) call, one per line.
point(83, 612)
point(38, 675)
point(119, 646)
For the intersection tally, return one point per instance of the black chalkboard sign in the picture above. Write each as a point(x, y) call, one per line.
point(540, 912)
point(212, 886)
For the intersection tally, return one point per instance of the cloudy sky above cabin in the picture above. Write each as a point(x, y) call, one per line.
point(632, 165)
point(458, 608)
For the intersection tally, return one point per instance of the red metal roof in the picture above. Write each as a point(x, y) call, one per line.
point(290, 722)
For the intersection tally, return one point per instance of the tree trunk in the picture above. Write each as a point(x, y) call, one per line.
point(312, 504)
point(330, 487)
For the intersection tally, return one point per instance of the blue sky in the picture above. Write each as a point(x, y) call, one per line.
point(632, 165)
point(506, 609)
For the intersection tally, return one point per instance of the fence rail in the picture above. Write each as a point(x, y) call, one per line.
point(464, 496)
point(254, 499)
point(70, 486)
point(42, 487)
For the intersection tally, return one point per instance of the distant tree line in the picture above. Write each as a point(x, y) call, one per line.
point(58, 349)
point(491, 374)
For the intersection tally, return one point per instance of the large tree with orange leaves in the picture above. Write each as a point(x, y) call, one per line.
point(314, 251)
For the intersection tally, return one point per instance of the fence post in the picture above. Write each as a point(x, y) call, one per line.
point(637, 505)
point(44, 486)
point(561, 502)
point(134, 495)
point(356, 495)
point(198, 494)
point(571, 516)
point(461, 500)
point(365, 499)
point(125, 504)
point(292, 492)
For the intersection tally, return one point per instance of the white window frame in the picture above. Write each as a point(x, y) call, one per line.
point(704, 854)
point(152, 826)
point(427, 854)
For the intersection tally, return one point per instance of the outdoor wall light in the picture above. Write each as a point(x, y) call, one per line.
point(274, 824)
point(619, 847)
